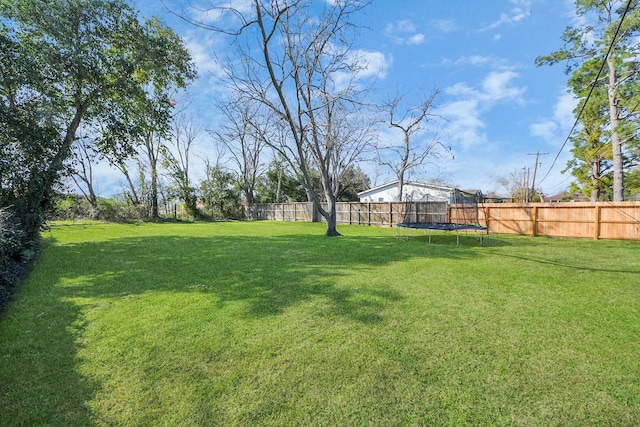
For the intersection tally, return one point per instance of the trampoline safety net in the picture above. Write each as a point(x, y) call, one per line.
point(463, 216)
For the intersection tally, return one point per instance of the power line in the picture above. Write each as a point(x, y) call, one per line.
point(593, 85)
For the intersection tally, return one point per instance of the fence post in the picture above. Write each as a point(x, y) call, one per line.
point(535, 221)
point(487, 216)
point(390, 214)
point(597, 223)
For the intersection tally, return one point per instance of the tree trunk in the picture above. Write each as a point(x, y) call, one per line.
point(400, 186)
point(135, 200)
point(69, 138)
point(329, 215)
point(154, 192)
point(331, 219)
point(616, 144)
point(93, 200)
point(595, 180)
point(153, 165)
point(279, 185)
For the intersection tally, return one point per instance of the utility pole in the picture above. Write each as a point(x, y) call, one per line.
point(525, 183)
point(535, 169)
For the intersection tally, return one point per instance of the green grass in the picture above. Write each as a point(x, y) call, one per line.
point(266, 323)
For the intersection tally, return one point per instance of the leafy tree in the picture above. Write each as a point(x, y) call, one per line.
point(26, 155)
point(73, 62)
point(279, 185)
point(608, 30)
point(352, 182)
point(220, 195)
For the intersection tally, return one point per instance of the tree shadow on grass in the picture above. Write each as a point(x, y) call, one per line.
point(39, 380)
point(582, 267)
point(269, 274)
point(263, 275)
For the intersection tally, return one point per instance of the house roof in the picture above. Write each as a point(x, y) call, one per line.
point(573, 197)
point(393, 184)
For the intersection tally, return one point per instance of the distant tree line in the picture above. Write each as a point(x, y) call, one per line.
point(217, 196)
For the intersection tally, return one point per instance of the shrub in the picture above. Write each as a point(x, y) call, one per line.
point(17, 251)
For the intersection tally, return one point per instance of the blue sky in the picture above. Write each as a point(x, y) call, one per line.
point(497, 106)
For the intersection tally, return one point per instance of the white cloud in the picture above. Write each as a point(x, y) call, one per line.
point(210, 12)
point(404, 32)
point(462, 122)
point(498, 86)
point(463, 116)
point(556, 127)
point(563, 110)
point(512, 18)
point(521, 9)
point(375, 63)
point(443, 25)
point(202, 51)
point(461, 89)
point(475, 60)
point(546, 129)
point(372, 64)
point(404, 26)
point(415, 39)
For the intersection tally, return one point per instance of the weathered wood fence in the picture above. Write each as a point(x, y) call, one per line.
point(600, 220)
point(378, 213)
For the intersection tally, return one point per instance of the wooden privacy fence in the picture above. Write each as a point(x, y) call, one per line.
point(297, 211)
point(374, 213)
point(390, 213)
point(600, 220)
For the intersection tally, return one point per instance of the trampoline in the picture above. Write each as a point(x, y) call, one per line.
point(465, 211)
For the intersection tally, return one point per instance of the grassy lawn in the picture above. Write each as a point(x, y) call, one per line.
point(267, 323)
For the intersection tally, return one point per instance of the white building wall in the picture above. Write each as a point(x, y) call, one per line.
point(415, 192)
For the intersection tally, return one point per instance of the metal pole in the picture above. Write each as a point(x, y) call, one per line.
point(535, 169)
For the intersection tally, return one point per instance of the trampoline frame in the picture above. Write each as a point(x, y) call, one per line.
point(443, 226)
point(457, 197)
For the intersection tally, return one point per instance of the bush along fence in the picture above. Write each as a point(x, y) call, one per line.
point(599, 220)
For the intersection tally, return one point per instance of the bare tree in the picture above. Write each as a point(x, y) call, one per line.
point(305, 72)
point(83, 155)
point(132, 195)
point(517, 185)
point(176, 160)
point(245, 136)
point(410, 152)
